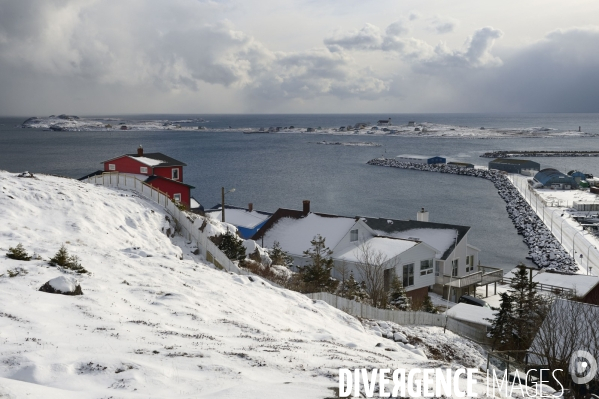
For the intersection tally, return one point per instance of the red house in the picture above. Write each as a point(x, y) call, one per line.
point(156, 169)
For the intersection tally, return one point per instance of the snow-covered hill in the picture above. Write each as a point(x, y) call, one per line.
point(155, 320)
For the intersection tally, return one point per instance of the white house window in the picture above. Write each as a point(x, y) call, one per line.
point(353, 235)
point(408, 275)
point(438, 267)
point(454, 268)
point(426, 267)
point(143, 169)
point(175, 174)
point(111, 166)
point(177, 197)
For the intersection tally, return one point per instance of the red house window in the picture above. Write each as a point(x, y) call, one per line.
point(143, 169)
point(175, 174)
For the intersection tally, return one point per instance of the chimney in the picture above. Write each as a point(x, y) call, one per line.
point(140, 151)
point(306, 208)
point(250, 207)
point(422, 216)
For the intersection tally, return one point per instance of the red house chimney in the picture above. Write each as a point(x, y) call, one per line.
point(306, 209)
point(140, 151)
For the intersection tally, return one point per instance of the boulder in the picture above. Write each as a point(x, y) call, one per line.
point(64, 285)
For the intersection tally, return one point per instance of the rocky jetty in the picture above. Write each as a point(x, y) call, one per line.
point(531, 153)
point(544, 249)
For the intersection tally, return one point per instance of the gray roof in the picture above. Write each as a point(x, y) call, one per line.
point(391, 226)
point(550, 175)
point(513, 161)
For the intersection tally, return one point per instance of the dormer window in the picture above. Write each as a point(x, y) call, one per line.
point(353, 235)
point(175, 174)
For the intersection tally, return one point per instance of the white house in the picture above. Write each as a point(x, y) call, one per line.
point(421, 253)
point(384, 122)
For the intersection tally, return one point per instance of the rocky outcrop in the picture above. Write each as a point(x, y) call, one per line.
point(63, 285)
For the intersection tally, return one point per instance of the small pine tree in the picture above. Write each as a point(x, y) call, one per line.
point(61, 258)
point(18, 253)
point(317, 274)
point(232, 246)
point(428, 306)
point(353, 290)
point(502, 326)
point(279, 256)
point(397, 295)
point(71, 262)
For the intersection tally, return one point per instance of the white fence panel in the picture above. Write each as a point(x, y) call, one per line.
point(185, 224)
point(400, 317)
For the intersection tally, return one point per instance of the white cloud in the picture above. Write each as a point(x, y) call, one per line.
point(442, 25)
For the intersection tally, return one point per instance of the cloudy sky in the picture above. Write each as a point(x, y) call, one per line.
point(298, 56)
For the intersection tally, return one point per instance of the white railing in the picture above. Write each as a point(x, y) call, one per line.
point(187, 224)
point(359, 309)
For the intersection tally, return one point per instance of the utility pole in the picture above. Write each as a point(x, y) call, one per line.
point(222, 204)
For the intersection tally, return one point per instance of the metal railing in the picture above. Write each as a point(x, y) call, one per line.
point(553, 289)
point(484, 275)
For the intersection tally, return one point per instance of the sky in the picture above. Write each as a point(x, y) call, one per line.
point(99, 57)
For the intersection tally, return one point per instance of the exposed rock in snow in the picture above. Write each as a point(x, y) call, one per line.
point(64, 285)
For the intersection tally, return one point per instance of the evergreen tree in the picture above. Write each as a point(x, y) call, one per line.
point(18, 253)
point(232, 246)
point(61, 258)
point(279, 256)
point(353, 290)
point(427, 305)
point(317, 273)
point(398, 296)
point(502, 326)
point(527, 307)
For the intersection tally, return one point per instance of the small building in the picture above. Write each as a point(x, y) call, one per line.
point(477, 317)
point(342, 129)
point(411, 123)
point(464, 165)
point(384, 122)
point(512, 165)
point(553, 178)
point(422, 159)
point(310, 130)
point(156, 169)
point(247, 220)
point(577, 175)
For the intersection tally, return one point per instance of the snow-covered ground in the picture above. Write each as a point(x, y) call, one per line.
point(420, 129)
point(156, 321)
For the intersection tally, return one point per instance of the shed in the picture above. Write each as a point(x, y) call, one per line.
point(577, 175)
point(553, 178)
point(461, 165)
point(423, 159)
point(512, 165)
point(248, 221)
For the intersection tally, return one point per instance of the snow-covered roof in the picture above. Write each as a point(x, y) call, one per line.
point(580, 283)
point(239, 217)
point(295, 234)
point(193, 204)
point(389, 247)
point(471, 313)
point(440, 239)
point(148, 161)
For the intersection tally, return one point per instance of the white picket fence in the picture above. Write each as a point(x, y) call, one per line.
point(404, 318)
point(188, 225)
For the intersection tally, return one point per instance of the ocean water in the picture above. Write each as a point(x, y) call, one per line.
point(281, 170)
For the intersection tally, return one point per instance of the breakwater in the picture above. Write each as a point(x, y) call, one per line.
point(515, 154)
point(544, 249)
